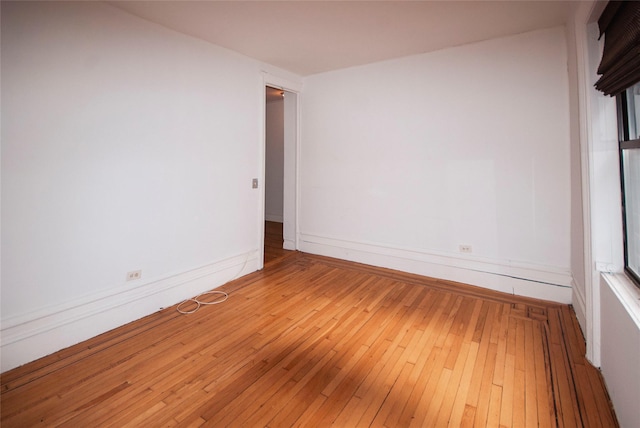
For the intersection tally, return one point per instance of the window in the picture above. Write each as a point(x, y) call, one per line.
point(620, 70)
point(628, 102)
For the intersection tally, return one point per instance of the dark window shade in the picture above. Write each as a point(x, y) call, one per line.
point(620, 65)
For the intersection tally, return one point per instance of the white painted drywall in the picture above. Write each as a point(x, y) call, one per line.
point(274, 171)
point(468, 145)
point(577, 221)
point(125, 146)
point(621, 348)
point(611, 302)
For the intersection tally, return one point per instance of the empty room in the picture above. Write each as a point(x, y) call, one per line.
point(454, 238)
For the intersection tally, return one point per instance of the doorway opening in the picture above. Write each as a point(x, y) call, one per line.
point(280, 172)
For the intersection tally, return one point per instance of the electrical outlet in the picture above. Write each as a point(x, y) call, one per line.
point(133, 275)
point(465, 248)
point(254, 183)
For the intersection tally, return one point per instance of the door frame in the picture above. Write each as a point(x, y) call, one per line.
point(291, 195)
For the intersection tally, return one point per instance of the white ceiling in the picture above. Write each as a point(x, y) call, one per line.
point(308, 37)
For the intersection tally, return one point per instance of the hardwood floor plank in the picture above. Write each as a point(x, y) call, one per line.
point(546, 413)
point(483, 362)
point(394, 398)
point(379, 391)
point(530, 393)
point(493, 414)
point(423, 355)
point(501, 340)
point(313, 341)
point(363, 371)
point(507, 402)
point(483, 401)
point(460, 401)
point(519, 410)
point(567, 403)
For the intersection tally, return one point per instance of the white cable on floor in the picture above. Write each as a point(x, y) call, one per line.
point(200, 303)
point(224, 298)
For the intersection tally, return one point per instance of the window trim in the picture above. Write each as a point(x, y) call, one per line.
point(624, 143)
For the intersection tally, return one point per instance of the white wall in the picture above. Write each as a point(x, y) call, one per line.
point(610, 307)
point(125, 146)
point(621, 347)
point(607, 305)
point(577, 213)
point(274, 172)
point(404, 160)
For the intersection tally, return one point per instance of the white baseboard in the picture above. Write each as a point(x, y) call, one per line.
point(288, 244)
point(580, 307)
point(27, 337)
point(278, 218)
point(541, 282)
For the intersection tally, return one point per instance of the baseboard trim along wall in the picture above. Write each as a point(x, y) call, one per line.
point(579, 306)
point(27, 337)
point(277, 218)
point(541, 282)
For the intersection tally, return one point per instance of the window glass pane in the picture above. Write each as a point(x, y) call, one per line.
point(631, 167)
point(633, 106)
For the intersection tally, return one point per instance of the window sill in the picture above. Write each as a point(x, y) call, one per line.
point(627, 292)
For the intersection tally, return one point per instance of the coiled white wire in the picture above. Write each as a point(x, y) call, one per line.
point(199, 303)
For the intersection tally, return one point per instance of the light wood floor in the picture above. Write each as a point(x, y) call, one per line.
point(273, 241)
point(312, 341)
